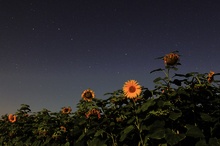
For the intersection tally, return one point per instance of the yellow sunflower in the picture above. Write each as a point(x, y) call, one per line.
point(210, 76)
point(88, 95)
point(12, 118)
point(66, 110)
point(171, 59)
point(131, 89)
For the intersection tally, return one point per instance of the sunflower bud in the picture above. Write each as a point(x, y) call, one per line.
point(12, 118)
point(171, 59)
point(211, 76)
point(66, 110)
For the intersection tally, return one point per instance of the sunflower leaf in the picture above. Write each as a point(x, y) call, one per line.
point(201, 143)
point(194, 131)
point(157, 79)
point(147, 104)
point(179, 75)
point(159, 69)
point(158, 133)
point(214, 141)
point(126, 131)
point(99, 132)
point(173, 138)
point(173, 115)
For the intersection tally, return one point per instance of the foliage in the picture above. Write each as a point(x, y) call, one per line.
point(181, 110)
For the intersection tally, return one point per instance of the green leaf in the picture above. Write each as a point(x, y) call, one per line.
point(67, 144)
point(157, 124)
point(194, 131)
point(157, 79)
point(167, 103)
point(47, 140)
point(81, 137)
point(216, 74)
point(183, 92)
point(96, 142)
point(191, 74)
point(147, 94)
point(201, 143)
point(112, 124)
point(99, 132)
point(179, 75)
point(147, 104)
point(173, 138)
point(205, 117)
point(214, 142)
point(174, 68)
point(146, 139)
point(131, 120)
point(36, 143)
point(158, 133)
point(164, 144)
point(25, 107)
point(156, 70)
point(156, 130)
point(126, 131)
point(20, 143)
point(161, 57)
point(173, 115)
point(216, 129)
point(177, 82)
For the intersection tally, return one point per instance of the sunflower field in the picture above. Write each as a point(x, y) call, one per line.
point(182, 109)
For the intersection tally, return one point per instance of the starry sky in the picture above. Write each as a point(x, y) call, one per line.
point(52, 50)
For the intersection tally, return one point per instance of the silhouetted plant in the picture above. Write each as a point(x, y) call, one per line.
point(182, 109)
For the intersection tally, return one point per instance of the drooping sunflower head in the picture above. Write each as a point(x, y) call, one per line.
point(171, 59)
point(88, 95)
point(12, 118)
point(93, 112)
point(66, 110)
point(131, 89)
point(211, 76)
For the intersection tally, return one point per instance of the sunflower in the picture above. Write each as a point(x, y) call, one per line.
point(131, 89)
point(12, 118)
point(62, 128)
point(88, 95)
point(171, 59)
point(42, 131)
point(210, 76)
point(93, 112)
point(66, 110)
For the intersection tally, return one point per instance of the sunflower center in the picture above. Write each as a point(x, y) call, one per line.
point(132, 89)
point(88, 95)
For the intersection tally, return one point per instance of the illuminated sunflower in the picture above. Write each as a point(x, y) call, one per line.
point(171, 59)
point(131, 89)
point(66, 110)
point(210, 76)
point(88, 95)
point(12, 118)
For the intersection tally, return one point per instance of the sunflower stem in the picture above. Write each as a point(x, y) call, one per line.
point(168, 77)
point(138, 125)
point(198, 79)
point(167, 74)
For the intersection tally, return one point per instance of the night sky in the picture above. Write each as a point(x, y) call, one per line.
point(52, 50)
